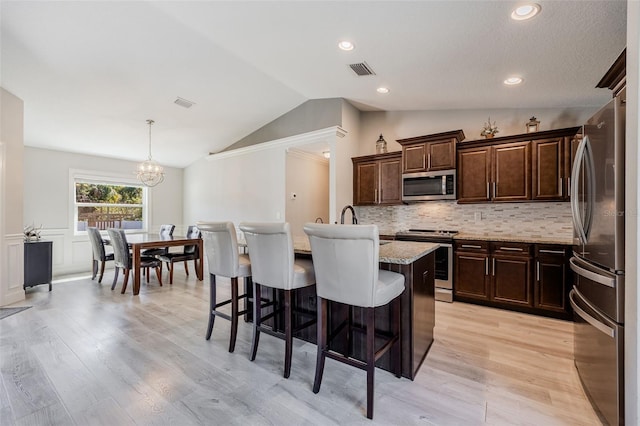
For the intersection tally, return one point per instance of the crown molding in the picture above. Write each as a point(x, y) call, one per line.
point(288, 142)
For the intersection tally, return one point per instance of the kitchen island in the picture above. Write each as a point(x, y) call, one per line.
point(416, 261)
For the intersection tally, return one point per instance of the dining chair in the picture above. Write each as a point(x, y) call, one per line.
point(165, 230)
point(223, 258)
point(274, 265)
point(345, 259)
point(124, 261)
point(99, 253)
point(189, 253)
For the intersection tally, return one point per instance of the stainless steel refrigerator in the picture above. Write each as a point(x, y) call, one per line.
point(597, 297)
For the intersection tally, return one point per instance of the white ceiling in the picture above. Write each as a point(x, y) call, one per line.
point(90, 73)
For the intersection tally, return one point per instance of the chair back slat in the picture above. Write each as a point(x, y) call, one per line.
point(221, 247)
point(120, 248)
point(97, 245)
point(271, 253)
point(345, 259)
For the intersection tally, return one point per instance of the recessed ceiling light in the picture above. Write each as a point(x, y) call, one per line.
point(512, 81)
point(346, 45)
point(382, 90)
point(526, 11)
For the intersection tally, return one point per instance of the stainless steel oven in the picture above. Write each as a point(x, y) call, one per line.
point(444, 258)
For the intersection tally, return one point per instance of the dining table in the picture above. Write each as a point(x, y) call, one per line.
point(139, 242)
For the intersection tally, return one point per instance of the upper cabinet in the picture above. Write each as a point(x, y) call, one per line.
point(527, 167)
point(430, 152)
point(377, 179)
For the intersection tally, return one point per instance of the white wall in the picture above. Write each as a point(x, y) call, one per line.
point(396, 125)
point(11, 194)
point(307, 176)
point(247, 187)
point(47, 201)
point(346, 147)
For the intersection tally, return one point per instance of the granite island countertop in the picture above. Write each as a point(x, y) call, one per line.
point(398, 252)
point(534, 239)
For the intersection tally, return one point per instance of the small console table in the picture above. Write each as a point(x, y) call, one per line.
point(37, 263)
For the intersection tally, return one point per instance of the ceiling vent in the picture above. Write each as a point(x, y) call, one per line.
point(362, 68)
point(184, 103)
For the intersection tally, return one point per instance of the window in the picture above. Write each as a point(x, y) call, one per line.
point(108, 204)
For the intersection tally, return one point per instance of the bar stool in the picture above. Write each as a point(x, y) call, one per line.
point(273, 265)
point(221, 250)
point(345, 258)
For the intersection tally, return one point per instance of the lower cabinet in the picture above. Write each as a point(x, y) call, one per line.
point(526, 277)
point(37, 263)
point(551, 278)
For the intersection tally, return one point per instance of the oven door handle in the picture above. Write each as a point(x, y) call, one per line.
point(588, 318)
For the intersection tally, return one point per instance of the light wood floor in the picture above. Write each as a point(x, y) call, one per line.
point(86, 355)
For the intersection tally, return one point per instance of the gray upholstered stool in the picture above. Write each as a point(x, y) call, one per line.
point(221, 251)
point(345, 258)
point(274, 265)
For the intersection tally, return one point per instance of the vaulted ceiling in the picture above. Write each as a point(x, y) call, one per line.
point(91, 73)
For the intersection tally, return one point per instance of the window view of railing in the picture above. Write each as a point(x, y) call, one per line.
point(106, 205)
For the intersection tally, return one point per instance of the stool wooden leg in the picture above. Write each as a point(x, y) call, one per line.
point(371, 358)
point(322, 342)
point(101, 272)
point(234, 313)
point(126, 280)
point(94, 269)
point(288, 333)
point(212, 304)
point(257, 319)
point(115, 278)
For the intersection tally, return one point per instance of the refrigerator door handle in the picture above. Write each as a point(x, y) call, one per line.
point(590, 275)
point(575, 187)
point(588, 318)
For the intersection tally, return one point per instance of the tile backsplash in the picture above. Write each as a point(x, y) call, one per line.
point(524, 219)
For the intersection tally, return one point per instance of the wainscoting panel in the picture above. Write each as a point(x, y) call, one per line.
point(14, 248)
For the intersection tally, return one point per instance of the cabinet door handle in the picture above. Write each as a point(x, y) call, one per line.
point(375, 196)
point(568, 186)
point(470, 246)
point(510, 249)
point(493, 267)
point(495, 189)
point(429, 162)
point(560, 187)
point(538, 271)
point(488, 192)
point(486, 266)
point(424, 162)
point(551, 251)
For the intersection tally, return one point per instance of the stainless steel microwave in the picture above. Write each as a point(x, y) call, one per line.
point(427, 186)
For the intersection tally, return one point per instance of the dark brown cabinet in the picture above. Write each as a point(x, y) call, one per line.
point(430, 152)
point(511, 273)
point(377, 179)
point(494, 173)
point(552, 278)
point(527, 167)
point(533, 278)
point(38, 263)
point(471, 276)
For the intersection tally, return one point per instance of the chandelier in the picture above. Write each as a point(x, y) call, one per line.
point(150, 173)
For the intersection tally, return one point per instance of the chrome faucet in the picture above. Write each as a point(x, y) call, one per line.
point(354, 217)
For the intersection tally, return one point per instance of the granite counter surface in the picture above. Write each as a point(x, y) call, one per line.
point(398, 252)
point(549, 239)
